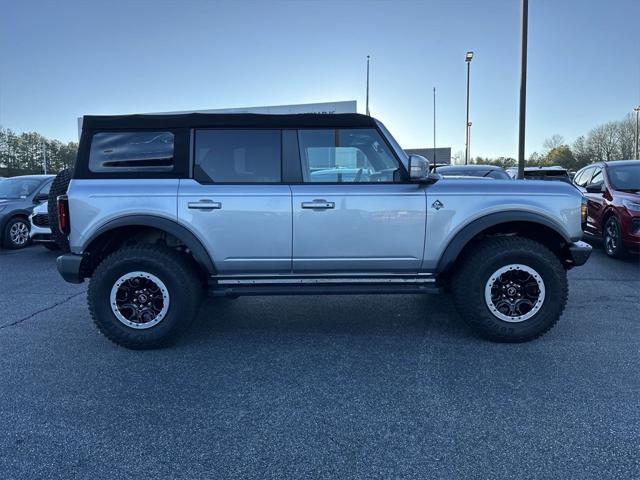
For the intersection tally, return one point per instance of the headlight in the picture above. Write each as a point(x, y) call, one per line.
point(583, 212)
point(631, 205)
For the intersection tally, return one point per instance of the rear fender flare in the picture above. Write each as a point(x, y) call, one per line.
point(182, 233)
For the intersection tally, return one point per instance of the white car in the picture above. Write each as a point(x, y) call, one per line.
point(40, 231)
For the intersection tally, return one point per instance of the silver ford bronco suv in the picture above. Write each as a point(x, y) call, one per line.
point(163, 209)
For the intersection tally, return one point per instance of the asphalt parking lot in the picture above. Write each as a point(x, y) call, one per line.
point(319, 387)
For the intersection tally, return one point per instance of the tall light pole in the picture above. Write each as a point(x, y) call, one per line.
point(637, 110)
point(468, 57)
point(524, 21)
point(469, 137)
point(367, 84)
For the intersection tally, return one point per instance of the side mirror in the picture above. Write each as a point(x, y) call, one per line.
point(41, 197)
point(595, 188)
point(418, 168)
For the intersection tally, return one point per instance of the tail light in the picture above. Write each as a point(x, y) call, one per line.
point(63, 215)
point(583, 213)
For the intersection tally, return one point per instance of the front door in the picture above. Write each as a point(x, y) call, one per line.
point(595, 202)
point(235, 202)
point(354, 213)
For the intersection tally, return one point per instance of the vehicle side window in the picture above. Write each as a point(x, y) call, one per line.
point(131, 152)
point(356, 155)
point(238, 156)
point(497, 174)
point(45, 189)
point(597, 178)
point(583, 177)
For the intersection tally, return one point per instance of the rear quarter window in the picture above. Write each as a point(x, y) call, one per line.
point(132, 152)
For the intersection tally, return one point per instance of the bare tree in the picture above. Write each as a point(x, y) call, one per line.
point(603, 142)
point(554, 141)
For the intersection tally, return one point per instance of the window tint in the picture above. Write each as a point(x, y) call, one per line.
point(131, 152)
point(597, 177)
point(238, 156)
point(345, 156)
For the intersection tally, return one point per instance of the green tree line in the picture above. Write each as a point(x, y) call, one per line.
point(609, 141)
point(25, 152)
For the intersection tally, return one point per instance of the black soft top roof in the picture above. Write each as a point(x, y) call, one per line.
point(188, 120)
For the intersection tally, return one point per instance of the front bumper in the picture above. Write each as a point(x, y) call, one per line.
point(69, 267)
point(579, 252)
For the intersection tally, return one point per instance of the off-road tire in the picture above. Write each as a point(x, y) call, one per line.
point(612, 226)
point(7, 241)
point(175, 271)
point(478, 264)
point(59, 187)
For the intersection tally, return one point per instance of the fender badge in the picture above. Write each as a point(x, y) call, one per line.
point(437, 205)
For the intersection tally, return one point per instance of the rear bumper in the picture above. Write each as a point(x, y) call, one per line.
point(579, 252)
point(69, 267)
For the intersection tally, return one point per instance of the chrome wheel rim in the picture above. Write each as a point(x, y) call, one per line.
point(19, 233)
point(139, 300)
point(611, 237)
point(514, 293)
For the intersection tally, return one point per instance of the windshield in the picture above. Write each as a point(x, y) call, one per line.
point(625, 177)
point(18, 187)
point(396, 146)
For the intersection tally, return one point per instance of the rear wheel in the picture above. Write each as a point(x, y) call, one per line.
point(510, 289)
point(612, 239)
point(144, 296)
point(16, 233)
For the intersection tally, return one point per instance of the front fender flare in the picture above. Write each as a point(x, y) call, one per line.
point(477, 226)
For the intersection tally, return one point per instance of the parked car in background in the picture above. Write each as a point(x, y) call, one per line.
point(18, 197)
point(487, 171)
point(612, 190)
point(40, 230)
point(547, 173)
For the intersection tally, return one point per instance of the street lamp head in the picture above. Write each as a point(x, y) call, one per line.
point(637, 109)
point(468, 56)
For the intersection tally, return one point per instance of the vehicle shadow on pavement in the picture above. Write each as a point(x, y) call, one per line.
point(413, 316)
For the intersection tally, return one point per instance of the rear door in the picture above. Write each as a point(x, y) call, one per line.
point(235, 201)
point(353, 211)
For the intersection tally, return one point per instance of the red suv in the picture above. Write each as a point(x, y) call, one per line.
point(612, 190)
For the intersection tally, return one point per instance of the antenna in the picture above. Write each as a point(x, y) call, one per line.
point(368, 85)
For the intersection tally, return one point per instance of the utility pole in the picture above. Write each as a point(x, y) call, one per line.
point(44, 157)
point(468, 57)
point(435, 160)
point(637, 110)
point(368, 85)
point(524, 21)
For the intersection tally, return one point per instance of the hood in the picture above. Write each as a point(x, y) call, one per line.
point(11, 201)
point(635, 197)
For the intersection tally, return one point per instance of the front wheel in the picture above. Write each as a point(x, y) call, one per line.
point(510, 289)
point(16, 233)
point(612, 239)
point(144, 296)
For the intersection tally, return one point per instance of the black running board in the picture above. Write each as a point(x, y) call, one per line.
point(322, 289)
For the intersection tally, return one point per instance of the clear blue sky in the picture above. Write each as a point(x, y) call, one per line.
point(60, 60)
